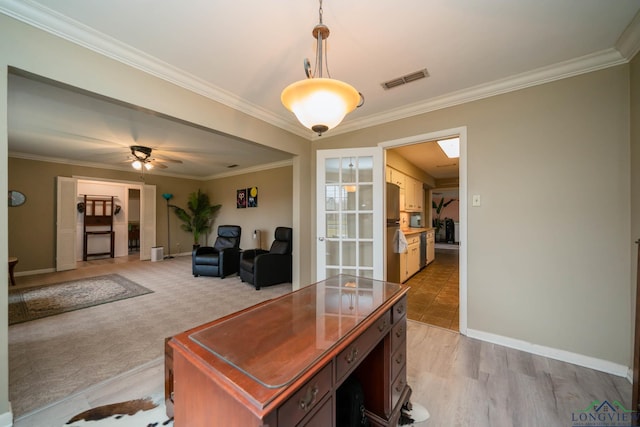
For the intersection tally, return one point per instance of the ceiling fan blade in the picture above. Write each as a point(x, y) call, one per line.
point(166, 159)
point(158, 165)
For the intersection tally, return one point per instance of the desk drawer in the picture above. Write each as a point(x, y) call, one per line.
point(306, 398)
point(400, 309)
point(351, 356)
point(398, 362)
point(322, 418)
point(398, 334)
point(398, 386)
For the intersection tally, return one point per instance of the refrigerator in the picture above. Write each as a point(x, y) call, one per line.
point(393, 225)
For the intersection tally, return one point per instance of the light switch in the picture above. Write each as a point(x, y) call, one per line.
point(476, 200)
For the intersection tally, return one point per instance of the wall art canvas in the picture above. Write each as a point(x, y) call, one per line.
point(241, 197)
point(252, 197)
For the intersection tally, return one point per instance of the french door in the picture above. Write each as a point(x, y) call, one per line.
point(350, 213)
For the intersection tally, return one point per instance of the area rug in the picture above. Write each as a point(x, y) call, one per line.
point(149, 411)
point(48, 300)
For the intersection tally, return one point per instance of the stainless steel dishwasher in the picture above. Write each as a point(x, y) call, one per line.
point(423, 250)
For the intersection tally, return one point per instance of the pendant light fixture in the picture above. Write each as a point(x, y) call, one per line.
point(320, 103)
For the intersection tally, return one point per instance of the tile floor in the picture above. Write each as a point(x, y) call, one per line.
point(434, 293)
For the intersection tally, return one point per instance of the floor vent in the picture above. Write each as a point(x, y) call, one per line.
point(405, 79)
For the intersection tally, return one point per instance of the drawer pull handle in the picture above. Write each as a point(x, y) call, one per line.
point(352, 355)
point(400, 386)
point(400, 309)
point(382, 326)
point(399, 332)
point(309, 398)
point(399, 358)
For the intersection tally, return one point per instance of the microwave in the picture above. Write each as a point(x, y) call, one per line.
point(415, 221)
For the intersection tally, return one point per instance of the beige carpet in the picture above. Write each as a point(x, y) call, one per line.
point(54, 357)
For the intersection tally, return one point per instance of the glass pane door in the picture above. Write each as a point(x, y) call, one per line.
point(349, 213)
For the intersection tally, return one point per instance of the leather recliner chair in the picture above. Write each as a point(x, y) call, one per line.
point(223, 258)
point(263, 268)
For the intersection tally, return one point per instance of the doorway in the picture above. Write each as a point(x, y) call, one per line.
point(447, 273)
point(133, 221)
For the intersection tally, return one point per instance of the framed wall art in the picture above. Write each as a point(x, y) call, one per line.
point(252, 197)
point(241, 198)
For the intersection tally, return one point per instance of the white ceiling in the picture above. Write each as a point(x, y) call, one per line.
point(243, 53)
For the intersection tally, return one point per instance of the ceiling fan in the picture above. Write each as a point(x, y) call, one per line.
point(141, 157)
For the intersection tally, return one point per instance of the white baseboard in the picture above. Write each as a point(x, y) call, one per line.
point(32, 272)
point(553, 353)
point(6, 419)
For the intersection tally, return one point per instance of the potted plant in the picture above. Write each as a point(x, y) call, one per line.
point(197, 218)
point(437, 221)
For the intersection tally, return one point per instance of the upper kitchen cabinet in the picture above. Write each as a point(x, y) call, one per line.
point(411, 190)
point(396, 177)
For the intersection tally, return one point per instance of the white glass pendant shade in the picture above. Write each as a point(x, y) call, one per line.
point(148, 166)
point(137, 164)
point(320, 104)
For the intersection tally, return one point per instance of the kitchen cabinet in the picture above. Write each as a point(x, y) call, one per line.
point(410, 260)
point(411, 191)
point(413, 255)
point(396, 177)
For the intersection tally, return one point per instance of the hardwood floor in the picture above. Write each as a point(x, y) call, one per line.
point(434, 294)
point(459, 380)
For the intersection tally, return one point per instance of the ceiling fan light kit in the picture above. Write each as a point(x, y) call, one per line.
point(142, 157)
point(320, 103)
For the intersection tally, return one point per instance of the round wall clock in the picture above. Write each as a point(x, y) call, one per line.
point(16, 198)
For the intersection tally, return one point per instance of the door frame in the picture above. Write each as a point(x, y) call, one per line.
point(149, 234)
point(431, 136)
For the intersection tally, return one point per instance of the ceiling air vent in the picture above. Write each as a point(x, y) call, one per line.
point(405, 79)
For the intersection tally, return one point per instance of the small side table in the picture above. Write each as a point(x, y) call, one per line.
point(12, 263)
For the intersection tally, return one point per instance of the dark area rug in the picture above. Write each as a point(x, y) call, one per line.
point(48, 300)
point(150, 412)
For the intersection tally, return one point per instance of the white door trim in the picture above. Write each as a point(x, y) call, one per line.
point(442, 134)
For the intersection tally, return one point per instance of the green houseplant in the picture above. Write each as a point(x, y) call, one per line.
point(437, 221)
point(196, 219)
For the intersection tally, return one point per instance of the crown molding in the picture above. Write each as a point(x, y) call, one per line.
point(562, 70)
point(27, 156)
point(52, 22)
point(253, 169)
point(629, 42)
point(68, 29)
point(258, 168)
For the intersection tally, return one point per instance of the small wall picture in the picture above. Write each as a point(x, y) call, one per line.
point(241, 198)
point(252, 198)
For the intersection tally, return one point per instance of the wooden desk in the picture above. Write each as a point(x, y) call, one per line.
point(12, 264)
point(280, 363)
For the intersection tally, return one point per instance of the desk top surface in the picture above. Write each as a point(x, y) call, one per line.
point(306, 324)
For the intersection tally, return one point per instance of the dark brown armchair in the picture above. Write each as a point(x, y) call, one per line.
point(223, 258)
point(263, 268)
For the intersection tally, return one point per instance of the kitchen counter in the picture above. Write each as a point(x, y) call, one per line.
point(409, 231)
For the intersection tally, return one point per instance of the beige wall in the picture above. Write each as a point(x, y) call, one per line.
point(550, 162)
point(548, 250)
point(35, 221)
point(34, 51)
point(275, 199)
